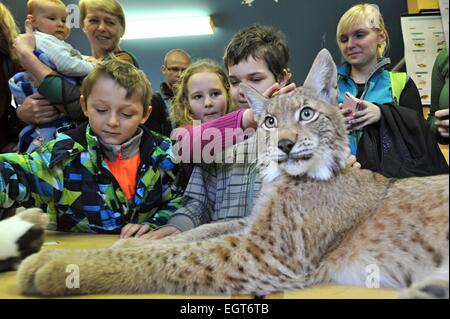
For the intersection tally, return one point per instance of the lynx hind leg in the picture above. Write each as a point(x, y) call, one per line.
point(433, 287)
point(21, 236)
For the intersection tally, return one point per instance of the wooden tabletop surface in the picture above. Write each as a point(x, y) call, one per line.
point(59, 240)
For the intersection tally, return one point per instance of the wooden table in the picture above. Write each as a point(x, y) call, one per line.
point(59, 240)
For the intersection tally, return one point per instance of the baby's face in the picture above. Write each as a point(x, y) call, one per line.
point(50, 18)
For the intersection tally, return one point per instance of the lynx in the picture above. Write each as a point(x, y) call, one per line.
point(21, 236)
point(316, 221)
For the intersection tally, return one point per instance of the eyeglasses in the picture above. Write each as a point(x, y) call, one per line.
point(175, 69)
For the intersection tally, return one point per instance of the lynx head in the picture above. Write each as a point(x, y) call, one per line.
point(303, 132)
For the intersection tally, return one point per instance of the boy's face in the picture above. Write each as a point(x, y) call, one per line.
point(253, 72)
point(50, 18)
point(113, 117)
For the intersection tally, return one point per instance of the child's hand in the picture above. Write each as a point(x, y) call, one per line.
point(248, 119)
point(136, 230)
point(161, 233)
point(275, 89)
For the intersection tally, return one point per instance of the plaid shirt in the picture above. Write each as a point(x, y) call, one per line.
point(221, 191)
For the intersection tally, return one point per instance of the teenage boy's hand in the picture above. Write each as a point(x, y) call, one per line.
point(248, 119)
point(136, 230)
point(161, 233)
point(275, 89)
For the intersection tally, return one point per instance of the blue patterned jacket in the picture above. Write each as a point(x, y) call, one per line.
point(69, 179)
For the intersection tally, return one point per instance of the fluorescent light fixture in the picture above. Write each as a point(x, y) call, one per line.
point(170, 27)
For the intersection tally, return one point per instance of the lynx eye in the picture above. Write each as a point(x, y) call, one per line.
point(270, 122)
point(307, 114)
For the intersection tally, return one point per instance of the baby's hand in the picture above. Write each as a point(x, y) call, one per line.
point(93, 60)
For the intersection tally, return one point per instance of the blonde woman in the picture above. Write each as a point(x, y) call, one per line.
point(387, 133)
point(8, 65)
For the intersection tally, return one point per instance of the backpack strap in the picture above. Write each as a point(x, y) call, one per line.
point(398, 82)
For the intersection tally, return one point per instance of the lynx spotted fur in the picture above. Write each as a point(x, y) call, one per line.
point(316, 221)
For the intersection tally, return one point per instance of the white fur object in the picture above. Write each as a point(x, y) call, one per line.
point(11, 230)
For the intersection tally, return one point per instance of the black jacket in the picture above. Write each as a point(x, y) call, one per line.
point(159, 120)
point(401, 145)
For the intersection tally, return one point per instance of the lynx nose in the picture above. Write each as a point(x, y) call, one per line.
point(285, 145)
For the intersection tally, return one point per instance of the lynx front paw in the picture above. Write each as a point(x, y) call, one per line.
point(47, 274)
point(435, 288)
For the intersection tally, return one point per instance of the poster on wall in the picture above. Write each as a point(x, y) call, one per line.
point(423, 37)
point(443, 6)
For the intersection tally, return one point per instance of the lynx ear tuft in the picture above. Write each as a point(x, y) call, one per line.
point(322, 77)
point(255, 99)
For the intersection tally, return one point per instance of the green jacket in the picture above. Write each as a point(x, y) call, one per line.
point(439, 91)
point(69, 179)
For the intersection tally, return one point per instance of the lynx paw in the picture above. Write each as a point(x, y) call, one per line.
point(35, 216)
point(434, 288)
point(46, 273)
point(21, 236)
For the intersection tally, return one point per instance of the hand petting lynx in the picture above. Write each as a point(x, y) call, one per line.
point(316, 221)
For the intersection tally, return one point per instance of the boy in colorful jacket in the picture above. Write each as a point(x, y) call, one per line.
point(105, 174)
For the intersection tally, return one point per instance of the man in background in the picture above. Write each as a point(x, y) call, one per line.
point(175, 62)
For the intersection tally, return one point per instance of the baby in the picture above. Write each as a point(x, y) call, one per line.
point(48, 19)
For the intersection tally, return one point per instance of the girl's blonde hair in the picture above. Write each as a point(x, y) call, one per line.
point(368, 14)
point(8, 31)
point(181, 110)
point(109, 6)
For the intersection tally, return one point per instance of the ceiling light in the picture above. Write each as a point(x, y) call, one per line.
point(170, 27)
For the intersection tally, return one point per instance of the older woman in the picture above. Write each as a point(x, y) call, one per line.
point(103, 22)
